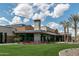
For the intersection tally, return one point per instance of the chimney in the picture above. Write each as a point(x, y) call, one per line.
point(37, 24)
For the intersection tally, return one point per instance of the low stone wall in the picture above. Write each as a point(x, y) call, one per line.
point(69, 52)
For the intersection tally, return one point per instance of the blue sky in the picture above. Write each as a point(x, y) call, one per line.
point(6, 9)
point(8, 13)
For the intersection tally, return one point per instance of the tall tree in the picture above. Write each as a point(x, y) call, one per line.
point(65, 27)
point(74, 20)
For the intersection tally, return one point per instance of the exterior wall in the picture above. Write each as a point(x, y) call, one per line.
point(67, 37)
point(20, 28)
point(29, 28)
point(36, 28)
point(23, 28)
point(49, 29)
point(37, 37)
point(8, 31)
point(37, 24)
point(44, 28)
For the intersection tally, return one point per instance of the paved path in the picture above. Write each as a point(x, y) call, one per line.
point(69, 52)
point(9, 44)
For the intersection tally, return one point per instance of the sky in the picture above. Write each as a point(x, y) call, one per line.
point(50, 14)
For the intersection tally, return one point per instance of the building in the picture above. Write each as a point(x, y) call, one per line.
point(6, 34)
point(40, 33)
point(28, 33)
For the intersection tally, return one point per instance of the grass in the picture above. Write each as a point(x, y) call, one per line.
point(34, 50)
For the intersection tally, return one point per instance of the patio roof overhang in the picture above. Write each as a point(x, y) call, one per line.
point(30, 31)
point(37, 31)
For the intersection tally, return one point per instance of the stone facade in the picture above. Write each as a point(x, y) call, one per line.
point(37, 37)
point(24, 28)
point(5, 32)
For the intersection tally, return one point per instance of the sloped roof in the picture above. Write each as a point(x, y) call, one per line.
point(36, 31)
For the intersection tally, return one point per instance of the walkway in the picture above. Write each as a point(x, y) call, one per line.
point(69, 52)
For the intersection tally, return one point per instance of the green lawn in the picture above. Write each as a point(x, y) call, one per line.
point(34, 50)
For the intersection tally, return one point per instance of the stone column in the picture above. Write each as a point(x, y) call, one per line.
point(55, 38)
point(37, 38)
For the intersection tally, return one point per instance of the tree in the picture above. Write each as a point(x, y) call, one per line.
point(74, 20)
point(65, 27)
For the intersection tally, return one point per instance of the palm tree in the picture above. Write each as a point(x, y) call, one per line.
point(74, 20)
point(65, 27)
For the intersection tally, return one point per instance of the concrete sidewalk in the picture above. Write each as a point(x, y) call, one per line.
point(69, 52)
point(9, 44)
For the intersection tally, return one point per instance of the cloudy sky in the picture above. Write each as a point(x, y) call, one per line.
point(51, 14)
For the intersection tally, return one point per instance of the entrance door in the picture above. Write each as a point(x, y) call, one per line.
point(1, 37)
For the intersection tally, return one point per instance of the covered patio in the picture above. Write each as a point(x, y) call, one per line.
point(39, 35)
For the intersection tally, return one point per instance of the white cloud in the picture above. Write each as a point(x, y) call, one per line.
point(44, 7)
point(4, 21)
point(40, 16)
point(25, 20)
point(28, 11)
point(71, 31)
point(16, 20)
point(23, 10)
point(47, 13)
point(37, 16)
point(59, 10)
point(54, 25)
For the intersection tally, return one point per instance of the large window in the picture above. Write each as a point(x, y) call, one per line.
point(26, 37)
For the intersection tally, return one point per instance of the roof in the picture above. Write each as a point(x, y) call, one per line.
point(36, 31)
point(6, 26)
point(37, 19)
point(30, 31)
point(20, 25)
point(65, 33)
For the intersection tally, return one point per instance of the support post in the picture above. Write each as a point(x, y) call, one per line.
point(37, 38)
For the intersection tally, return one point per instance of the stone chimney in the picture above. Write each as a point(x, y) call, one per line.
point(37, 24)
